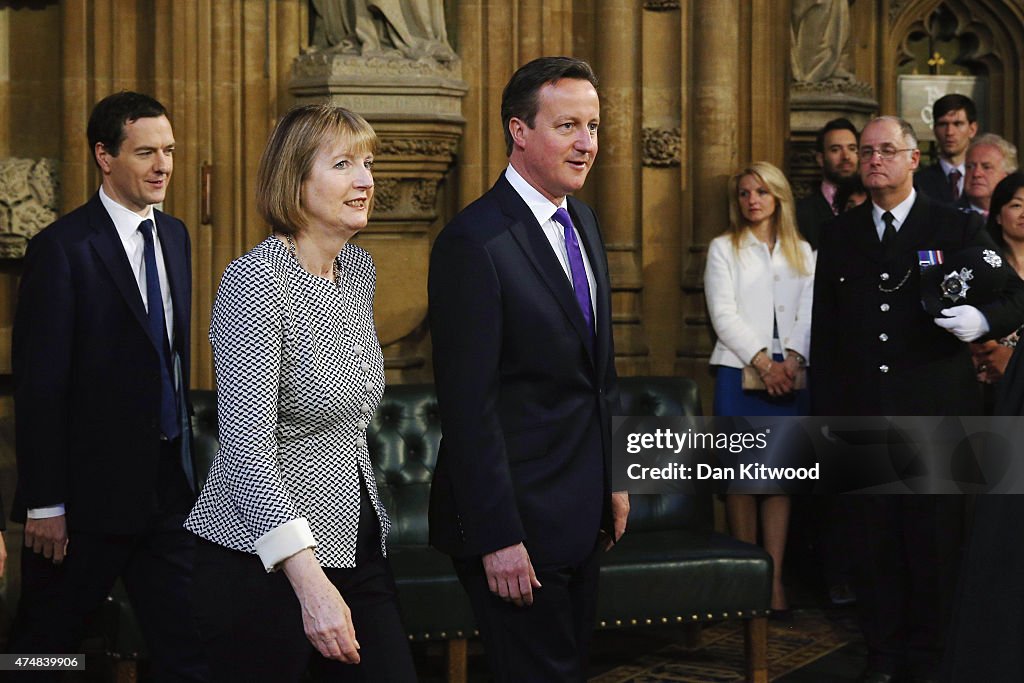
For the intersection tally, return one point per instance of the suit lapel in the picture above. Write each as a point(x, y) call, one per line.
point(110, 251)
point(108, 247)
point(863, 234)
point(531, 240)
point(173, 245)
point(591, 236)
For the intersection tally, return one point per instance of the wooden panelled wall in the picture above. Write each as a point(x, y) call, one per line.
point(691, 89)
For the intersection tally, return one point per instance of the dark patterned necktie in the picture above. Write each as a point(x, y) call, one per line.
point(954, 183)
point(169, 425)
point(576, 268)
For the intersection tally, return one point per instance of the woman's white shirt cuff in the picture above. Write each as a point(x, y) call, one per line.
point(283, 541)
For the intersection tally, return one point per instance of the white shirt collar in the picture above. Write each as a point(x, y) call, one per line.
point(540, 205)
point(899, 212)
point(126, 221)
point(948, 167)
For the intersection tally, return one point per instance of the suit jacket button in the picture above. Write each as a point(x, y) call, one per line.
point(884, 308)
point(883, 369)
point(884, 276)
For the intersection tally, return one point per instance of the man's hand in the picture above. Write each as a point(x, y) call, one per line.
point(620, 513)
point(510, 574)
point(48, 536)
point(967, 323)
point(990, 360)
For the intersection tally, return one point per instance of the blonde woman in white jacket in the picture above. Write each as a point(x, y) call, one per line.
point(759, 284)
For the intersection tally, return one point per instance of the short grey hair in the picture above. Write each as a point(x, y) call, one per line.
point(1006, 148)
point(909, 136)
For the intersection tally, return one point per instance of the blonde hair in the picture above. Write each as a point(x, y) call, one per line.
point(787, 237)
point(291, 150)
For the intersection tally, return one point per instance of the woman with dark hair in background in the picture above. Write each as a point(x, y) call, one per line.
point(1006, 226)
point(759, 286)
point(988, 621)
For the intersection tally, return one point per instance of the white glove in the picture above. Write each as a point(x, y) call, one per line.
point(966, 322)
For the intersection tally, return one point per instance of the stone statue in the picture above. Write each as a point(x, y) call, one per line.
point(821, 38)
point(413, 29)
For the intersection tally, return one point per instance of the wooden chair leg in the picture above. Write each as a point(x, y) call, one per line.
point(755, 642)
point(126, 672)
point(693, 636)
point(458, 668)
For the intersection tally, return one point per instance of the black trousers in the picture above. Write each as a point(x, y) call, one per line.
point(57, 601)
point(250, 622)
point(547, 642)
point(908, 556)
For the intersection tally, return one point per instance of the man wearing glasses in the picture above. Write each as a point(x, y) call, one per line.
point(875, 351)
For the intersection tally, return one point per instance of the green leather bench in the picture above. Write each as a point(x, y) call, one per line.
point(671, 567)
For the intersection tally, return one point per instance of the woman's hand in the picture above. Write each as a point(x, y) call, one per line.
point(326, 618)
point(778, 379)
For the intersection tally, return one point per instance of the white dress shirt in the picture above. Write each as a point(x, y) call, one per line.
point(544, 212)
point(899, 213)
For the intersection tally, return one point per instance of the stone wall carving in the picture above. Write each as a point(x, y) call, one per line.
point(660, 146)
point(661, 5)
point(418, 147)
point(28, 201)
point(385, 195)
point(424, 195)
point(410, 29)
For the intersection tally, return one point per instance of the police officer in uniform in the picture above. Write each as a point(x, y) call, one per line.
point(875, 351)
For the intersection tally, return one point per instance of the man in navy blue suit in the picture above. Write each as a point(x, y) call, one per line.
point(100, 357)
point(520, 317)
point(955, 125)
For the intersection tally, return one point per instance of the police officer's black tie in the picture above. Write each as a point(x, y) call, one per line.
point(889, 235)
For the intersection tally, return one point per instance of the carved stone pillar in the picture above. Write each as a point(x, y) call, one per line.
point(663, 142)
point(415, 107)
point(715, 156)
point(616, 175)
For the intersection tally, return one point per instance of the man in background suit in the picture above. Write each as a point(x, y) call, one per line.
point(520, 316)
point(101, 357)
point(955, 123)
point(875, 351)
point(990, 158)
point(836, 154)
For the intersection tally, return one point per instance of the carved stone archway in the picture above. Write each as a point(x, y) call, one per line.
point(994, 28)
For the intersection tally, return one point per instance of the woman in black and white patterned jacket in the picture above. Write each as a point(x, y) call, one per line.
point(299, 374)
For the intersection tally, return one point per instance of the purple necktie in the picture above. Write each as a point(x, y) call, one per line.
point(954, 183)
point(576, 268)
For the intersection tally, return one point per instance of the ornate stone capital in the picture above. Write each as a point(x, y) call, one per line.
point(660, 146)
point(661, 5)
point(28, 202)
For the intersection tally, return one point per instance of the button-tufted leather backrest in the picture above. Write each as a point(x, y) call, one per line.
point(405, 433)
point(665, 397)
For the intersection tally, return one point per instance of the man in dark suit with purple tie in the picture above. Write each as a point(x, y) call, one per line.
point(101, 361)
point(955, 123)
point(520, 316)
